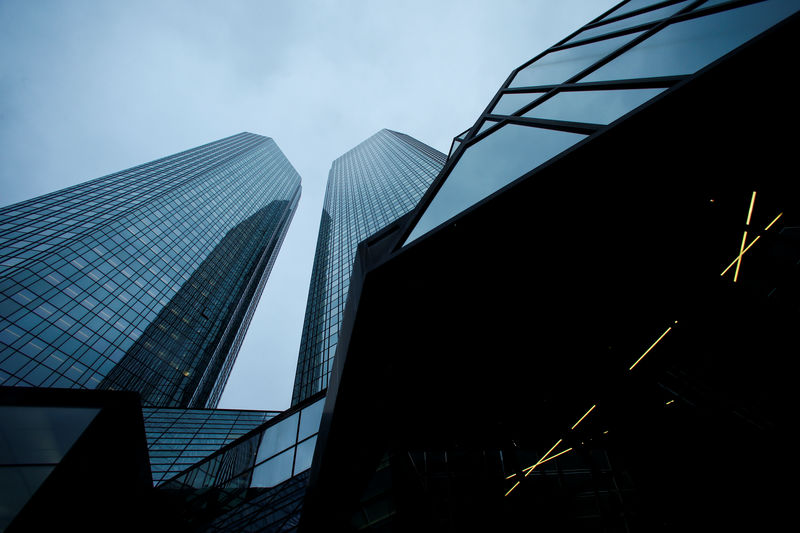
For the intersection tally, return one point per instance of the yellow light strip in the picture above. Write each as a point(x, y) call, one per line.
point(774, 221)
point(584, 416)
point(528, 469)
point(540, 461)
point(739, 259)
point(751, 244)
point(669, 402)
point(750, 212)
point(650, 348)
point(512, 488)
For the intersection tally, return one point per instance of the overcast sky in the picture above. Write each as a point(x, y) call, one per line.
point(92, 87)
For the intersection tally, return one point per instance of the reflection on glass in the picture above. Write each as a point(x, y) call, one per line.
point(305, 453)
point(631, 22)
point(274, 471)
point(486, 125)
point(509, 103)
point(490, 164)
point(633, 5)
point(309, 419)
point(558, 67)
point(278, 437)
point(598, 107)
point(686, 47)
point(31, 435)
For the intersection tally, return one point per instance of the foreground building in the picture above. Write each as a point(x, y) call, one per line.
point(584, 323)
point(146, 279)
point(369, 187)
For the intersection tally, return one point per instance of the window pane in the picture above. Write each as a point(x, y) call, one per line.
point(631, 22)
point(633, 5)
point(278, 437)
point(686, 47)
point(599, 107)
point(305, 453)
point(509, 103)
point(558, 67)
point(489, 165)
point(309, 420)
point(274, 471)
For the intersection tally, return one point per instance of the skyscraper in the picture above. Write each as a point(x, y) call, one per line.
point(370, 186)
point(145, 279)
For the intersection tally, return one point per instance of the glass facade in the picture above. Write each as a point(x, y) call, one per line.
point(145, 279)
point(179, 438)
point(369, 187)
point(584, 84)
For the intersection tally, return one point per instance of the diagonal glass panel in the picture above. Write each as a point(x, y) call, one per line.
point(510, 102)
point(631, 22)
point(686, 47)
point(489, 165)
point(558, 67)
point(633, 5)
point(597, 107)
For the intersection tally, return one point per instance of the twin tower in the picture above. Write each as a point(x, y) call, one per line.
point(147, 279)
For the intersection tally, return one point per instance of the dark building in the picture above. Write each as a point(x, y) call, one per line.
point(369, 187)
point(144, 280)
point(586, 322)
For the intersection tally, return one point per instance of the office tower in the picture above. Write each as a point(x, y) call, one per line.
point(586, 322)
point(370, 186)
point(178, 438)
point(145, 279)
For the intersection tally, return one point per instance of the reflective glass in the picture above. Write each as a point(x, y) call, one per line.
point(456, 144)
point(278, 437)
point(305, 454)
point(309, 419)
point(486, 125)
point(274, 471)
point(686, 47)
point(489, 165)
point(558, 67)
point(633, 5)
point(631, 22)
point(30, 435)
point(509, 103)
point(598, 107)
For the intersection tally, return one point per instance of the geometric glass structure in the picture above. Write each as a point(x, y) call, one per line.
point(178, 438)
point(145, 279)
point(372, 185)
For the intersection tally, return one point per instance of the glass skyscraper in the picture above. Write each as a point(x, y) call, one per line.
point(145, 279)
point(369, 187)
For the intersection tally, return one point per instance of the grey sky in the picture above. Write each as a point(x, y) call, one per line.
point(91, 87)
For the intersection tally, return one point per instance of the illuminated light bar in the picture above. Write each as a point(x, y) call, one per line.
point(774, 221)
point(584, 416)
point(750, 212)
point(541, 462)
point(751, 244)
point(669, 402)
point(739, 259)
point(650, 348)
point(512, 488)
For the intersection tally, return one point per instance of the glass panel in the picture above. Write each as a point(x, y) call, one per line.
point(40, 434)
point(686, 47)
point(490, 164)
point(17, 485)
point(558, 67)
point(599, 107)
point(309, 419)
point(486, 125)
point(278, 437)
point(456, 144)
point(509, 103)
point(305, 453)
point(633, 5)
point(631, 22)
point(277, 469)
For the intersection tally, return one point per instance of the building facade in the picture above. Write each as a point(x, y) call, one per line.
point(370, 186)
point(178, 438)
point(585, 323)
point(145, 279)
